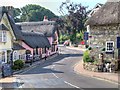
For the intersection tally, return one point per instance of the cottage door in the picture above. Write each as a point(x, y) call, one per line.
point(119, 58)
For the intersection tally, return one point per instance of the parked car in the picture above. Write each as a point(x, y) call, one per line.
point(66, 43)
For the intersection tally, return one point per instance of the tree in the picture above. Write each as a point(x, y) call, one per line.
point(16, 14)
point(32, 12)
point(74, 19)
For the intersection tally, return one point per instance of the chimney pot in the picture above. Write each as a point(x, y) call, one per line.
point(45, 18)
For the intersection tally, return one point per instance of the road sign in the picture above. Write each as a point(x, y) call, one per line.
point(118, 42)
point(86, 35)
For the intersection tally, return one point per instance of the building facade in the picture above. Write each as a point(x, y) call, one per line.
point(105, 30)
point(10, 37)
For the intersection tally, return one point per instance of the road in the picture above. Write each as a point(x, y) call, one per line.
point(58, 72)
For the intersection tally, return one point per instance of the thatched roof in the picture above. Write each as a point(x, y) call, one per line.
point(107, 14)
point(17, 46)
point(15, 29)
point(35, 40)
point(3, 27)
point(48, 28)
point(17, 32)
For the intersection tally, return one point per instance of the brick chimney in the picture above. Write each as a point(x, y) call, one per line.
point(45, 18)
point(10, 10)
point(6, 9)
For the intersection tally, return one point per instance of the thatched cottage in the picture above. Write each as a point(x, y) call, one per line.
point(48, 28)
point(105, 29)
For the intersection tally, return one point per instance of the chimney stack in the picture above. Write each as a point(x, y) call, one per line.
point(45, 18)
point(10, 10)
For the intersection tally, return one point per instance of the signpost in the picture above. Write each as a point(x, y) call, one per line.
point(86, 37)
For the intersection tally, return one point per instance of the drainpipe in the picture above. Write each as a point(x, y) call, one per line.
point(11, 61)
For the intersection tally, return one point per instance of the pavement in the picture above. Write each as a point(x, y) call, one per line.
point(8, 82)
point(78, 68)
point(112, 77)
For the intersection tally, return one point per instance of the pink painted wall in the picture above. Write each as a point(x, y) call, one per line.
point(27, 47)
point(56, 34)
point(39, 51)
point(50, 40)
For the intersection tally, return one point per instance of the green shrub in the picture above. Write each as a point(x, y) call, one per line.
point(18, 64)
point(86, 57)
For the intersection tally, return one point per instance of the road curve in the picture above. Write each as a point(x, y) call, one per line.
point(59, 72)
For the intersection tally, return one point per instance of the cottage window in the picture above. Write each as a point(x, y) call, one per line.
point(3, 56)
point(109, 46)
point(43, 50)
point(15, 55)
point(3, 37)
point(0, 36)
point(53, 48)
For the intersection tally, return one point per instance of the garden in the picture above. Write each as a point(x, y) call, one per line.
point(91, 63)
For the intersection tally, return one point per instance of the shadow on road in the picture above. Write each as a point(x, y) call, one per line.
point(45, 67)
point(11, 85)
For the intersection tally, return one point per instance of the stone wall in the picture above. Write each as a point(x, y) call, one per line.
point(90, 67)
point(101, 34)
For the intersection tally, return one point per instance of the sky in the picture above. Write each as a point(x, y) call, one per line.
point(52, 5)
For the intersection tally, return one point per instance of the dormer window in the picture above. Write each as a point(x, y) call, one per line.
point(3, 36)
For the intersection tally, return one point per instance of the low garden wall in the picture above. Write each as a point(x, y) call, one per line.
point(98, 65)
point(90, 67)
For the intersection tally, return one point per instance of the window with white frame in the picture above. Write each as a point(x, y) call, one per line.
point(109, 46)
point(3, 36)
point(0, 36)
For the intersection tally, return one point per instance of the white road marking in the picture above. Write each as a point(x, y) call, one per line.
point(55, 75)
point(65, 81)
point(72, 85)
